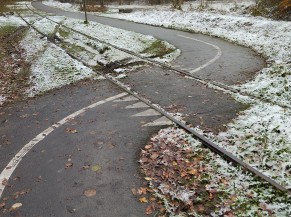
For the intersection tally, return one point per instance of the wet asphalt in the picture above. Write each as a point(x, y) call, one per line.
point(109, 137)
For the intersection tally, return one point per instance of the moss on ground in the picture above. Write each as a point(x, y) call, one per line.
point(158, 49)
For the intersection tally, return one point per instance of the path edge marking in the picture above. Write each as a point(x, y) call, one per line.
point(217, 56)
point(10, 168)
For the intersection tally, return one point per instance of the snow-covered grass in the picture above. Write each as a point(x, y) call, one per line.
point(63, 6)
point(223, 7)
point(49, 72)
point(45, 26)
point(261, 136)
point(233, 7)
point(32, 44)
point(127, 40)
point(11, 21)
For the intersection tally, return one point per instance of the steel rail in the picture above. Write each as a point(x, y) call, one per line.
point(205, 141)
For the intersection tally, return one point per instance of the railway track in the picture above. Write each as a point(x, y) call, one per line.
point(215, 148)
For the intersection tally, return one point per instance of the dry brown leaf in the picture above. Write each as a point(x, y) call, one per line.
point(141, 191)
point(193, 172)
point(16, 206)
point(148, 178)
point(200, 208)
point(2, 205)
point(148, 147)
point(149, 210)
point(183, 174)
point(134, 191)
point(68, 165)
point(90, 192)
point(5, 182)
point(152, 199)
point(154, 156)
point(71, 130)
point(143, 200)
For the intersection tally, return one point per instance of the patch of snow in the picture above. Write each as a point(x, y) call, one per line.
point(11, 21)
point(223, 7)
point(128, 40)
point(32, 44)
point(48, 72)
point(63, 6)
point(120, 76)
point(120, 70)
point(2, 99)
point(92, 52)
point(45, 26)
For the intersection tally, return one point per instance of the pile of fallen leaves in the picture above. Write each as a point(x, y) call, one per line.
point(191, 180)
point(14, 71)
point(177, 172)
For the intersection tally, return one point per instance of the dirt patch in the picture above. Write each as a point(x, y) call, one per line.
point(14, 71)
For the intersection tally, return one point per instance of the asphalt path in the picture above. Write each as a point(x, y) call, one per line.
point(78, 146)
point(95, 150)
point(224, 62)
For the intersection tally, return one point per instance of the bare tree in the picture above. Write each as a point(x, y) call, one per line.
point(203, 4)
point(177, 4)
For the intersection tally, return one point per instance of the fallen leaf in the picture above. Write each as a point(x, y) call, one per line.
point(200, 208)
point(90, 192)
point(184, 173)
point(193, 172)
point(85, 167)
point(71, 130)
point(143, 200)
point(5, 182)
point(154, 156)
point(148, 178)
point(24, 116)
point(16, 206)
point(149, 210)
point(134, 191)
point(2, 205)
point(96, 168)
point(68, 165)
point(233, 197)
point(39, 179)
point(148, 147)
point(152, 199)
point(142, 190)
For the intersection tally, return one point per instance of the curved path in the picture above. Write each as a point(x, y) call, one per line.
point(87, 140)
point(207, 57)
